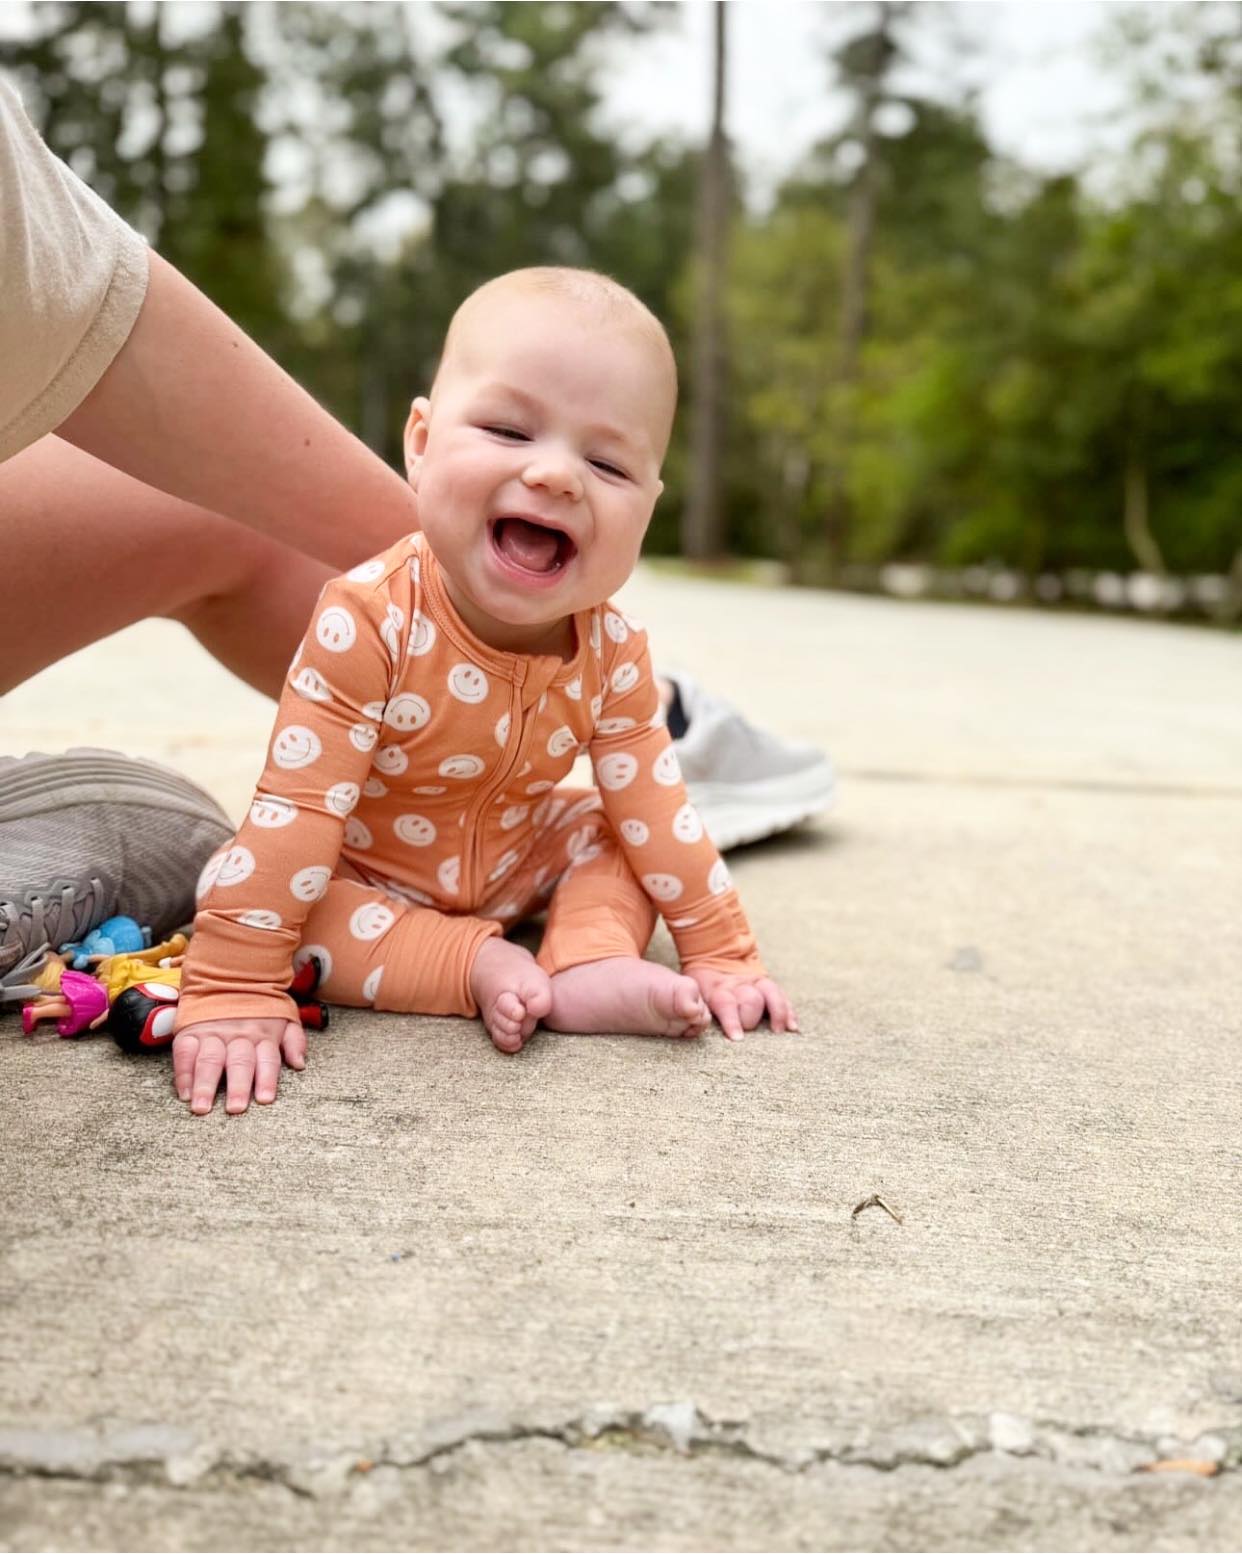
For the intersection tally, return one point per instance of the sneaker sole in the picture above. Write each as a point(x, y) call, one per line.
point(736, 813)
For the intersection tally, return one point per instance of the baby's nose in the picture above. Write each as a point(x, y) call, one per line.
point(554, 474)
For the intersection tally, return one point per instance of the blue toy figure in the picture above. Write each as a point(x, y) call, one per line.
point(114, 936)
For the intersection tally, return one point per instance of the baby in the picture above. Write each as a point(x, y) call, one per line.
point(411, 808)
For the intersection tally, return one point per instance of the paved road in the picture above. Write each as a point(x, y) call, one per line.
point(612, 1294)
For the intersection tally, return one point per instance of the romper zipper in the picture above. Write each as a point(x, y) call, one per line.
point(469, 842)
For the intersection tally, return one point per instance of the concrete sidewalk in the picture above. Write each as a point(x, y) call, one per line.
point(612, 1294)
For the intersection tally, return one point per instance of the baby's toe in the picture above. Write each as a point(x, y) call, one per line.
point(537, 997)
point(687, 1003)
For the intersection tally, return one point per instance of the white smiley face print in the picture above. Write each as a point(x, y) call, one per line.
point(374, 788)
point(546, 813)
point(615, 626)
point(236, 866)
point(367, 572)
point(408, 893)
point(336, 629)
point(374, 710)
point(357, 834)
point(635, 832)
point(311, 685)
point(665, 769)
point(416, 830)
point(271, 813)
point(468, 683)
point(687, 827)
point(682, 922)
point(573, 688)
point(319, 952)
point(662, 887)
point(462, 767)
point(342, 798)
point(415, 569)
point(371, 919)
point(514, 816)
point(371, 984)
point(259, 918)
point(363, 736)
point(503, 726)
point(391, 759)
point(541, 786)
point(718, 880)
point(230, 860)
point(449, 875)
point(595, 635)
point(624, 678)
point(617, 771)
point(582, 845)
point(406, 712)
point(295, 746)
point(580, 807)
point(658, 718)
point(422, 635)
point(390, 631)
point(562, 741)
point(310, 884)
point(431, 789)
point(614, 725)
point(597, 703)
point(504, 864)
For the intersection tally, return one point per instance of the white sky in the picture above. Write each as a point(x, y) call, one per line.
point(1046, 96)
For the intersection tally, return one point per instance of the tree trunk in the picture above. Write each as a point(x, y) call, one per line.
point(872, 61)
point(703, 527)
point(1136, 518)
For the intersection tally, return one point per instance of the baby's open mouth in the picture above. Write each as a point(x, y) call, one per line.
point(535, 547)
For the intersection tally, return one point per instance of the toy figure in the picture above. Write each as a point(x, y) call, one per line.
point(115, 936)
point(81, 1003)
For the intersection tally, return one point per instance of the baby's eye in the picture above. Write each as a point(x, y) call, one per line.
point(609, 469)
point(510, 433)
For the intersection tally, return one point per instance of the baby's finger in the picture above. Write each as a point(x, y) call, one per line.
point(184, 1051)
point(724, 1007)
point(207, 1070)
point(239, 1060)
point(779, 1013)
point(750, 1005)
point(293, 1045)
point(267, 1071)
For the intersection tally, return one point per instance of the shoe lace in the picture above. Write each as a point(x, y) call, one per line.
point(59, 916)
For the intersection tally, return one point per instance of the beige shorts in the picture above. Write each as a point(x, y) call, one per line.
point(72, 280)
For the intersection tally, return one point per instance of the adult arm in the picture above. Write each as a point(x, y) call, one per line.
point(193, 407)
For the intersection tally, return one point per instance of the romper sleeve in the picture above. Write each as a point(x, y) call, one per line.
point(659, 829)
point(254, 895)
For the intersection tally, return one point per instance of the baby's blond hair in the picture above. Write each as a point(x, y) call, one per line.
point(599, 294)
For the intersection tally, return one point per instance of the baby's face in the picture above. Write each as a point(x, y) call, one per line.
point(537, 463)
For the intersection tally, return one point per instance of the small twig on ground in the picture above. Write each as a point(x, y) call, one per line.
point(876, 1202)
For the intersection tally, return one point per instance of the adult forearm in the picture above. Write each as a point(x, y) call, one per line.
point(193, 407)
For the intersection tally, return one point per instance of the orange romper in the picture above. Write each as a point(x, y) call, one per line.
point(409, 810)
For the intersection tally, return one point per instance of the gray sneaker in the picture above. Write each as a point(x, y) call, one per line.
point(744, 782)
point(90, 834)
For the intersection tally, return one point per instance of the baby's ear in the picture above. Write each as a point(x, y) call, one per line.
point(416, 429)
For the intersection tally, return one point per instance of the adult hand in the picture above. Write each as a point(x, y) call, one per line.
point(739, 1002)
point(247, 1052)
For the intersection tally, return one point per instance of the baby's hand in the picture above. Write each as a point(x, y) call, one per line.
point(247, 1050)
point(739, 1001)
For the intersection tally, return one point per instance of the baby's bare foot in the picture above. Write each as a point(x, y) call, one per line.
point(512, 992)
point(626, 995)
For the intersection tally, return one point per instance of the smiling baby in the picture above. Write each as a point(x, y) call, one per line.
point(413, 805)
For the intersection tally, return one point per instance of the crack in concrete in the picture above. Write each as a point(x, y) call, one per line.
point(170, 1457)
